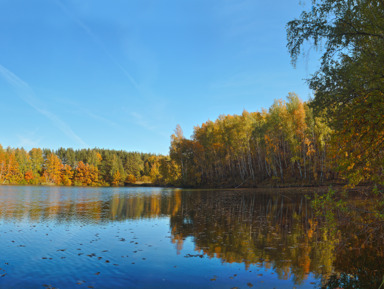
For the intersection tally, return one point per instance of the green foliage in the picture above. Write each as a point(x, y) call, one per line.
point(328, 205)
point(358, 224)
point(349, 85)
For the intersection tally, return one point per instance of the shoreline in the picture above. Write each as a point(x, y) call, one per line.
point(306, 188)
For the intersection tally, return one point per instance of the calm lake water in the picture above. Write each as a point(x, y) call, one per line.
point(71, 237)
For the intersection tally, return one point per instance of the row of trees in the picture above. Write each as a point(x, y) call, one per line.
point(286, 144)
point(86, 167)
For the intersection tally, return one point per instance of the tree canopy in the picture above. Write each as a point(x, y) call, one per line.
point(349, 86)
point(84, 167)
point(286, 144)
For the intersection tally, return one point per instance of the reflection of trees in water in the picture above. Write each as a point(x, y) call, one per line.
point(280, 231)
point(83, 207)
point(272, 230)
point(124, 207)
point(359, 261)
point(361, 266)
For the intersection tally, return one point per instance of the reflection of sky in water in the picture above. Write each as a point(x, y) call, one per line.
point(149, 238)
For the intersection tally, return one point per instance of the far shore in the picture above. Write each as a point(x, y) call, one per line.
point(284, 188)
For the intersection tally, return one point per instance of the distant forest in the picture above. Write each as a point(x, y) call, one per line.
point(84, 167)
point(285, 145)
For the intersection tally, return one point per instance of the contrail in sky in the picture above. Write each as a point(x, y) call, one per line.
point(99, 43)
point(26, 94)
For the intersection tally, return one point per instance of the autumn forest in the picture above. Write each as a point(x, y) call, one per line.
point(286, 145)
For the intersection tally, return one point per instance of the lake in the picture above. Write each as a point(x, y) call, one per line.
point(77, 237)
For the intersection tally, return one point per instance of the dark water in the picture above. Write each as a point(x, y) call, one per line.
point(66, 237)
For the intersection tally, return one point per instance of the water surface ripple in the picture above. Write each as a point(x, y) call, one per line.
point(73, 237)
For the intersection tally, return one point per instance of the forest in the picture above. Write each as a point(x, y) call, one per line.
point(288, 144)
point(285, 145)
point(69, 167)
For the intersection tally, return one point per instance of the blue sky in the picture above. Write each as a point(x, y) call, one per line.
point(122, 74)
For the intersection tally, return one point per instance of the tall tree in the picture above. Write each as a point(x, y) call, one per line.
point(52, 169)
point(350, 83)
point(37, 162)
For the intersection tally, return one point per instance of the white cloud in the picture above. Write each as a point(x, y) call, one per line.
point(140, 120)
point(28, 142)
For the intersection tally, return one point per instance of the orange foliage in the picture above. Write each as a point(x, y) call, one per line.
point(131, 179)
point(52, 169)
point(28, 176)
point(86, 175)
point(66, 175)
point(12, 173)
point(116, 178)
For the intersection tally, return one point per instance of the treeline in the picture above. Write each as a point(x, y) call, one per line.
point(286, 144)
point(85, 167)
